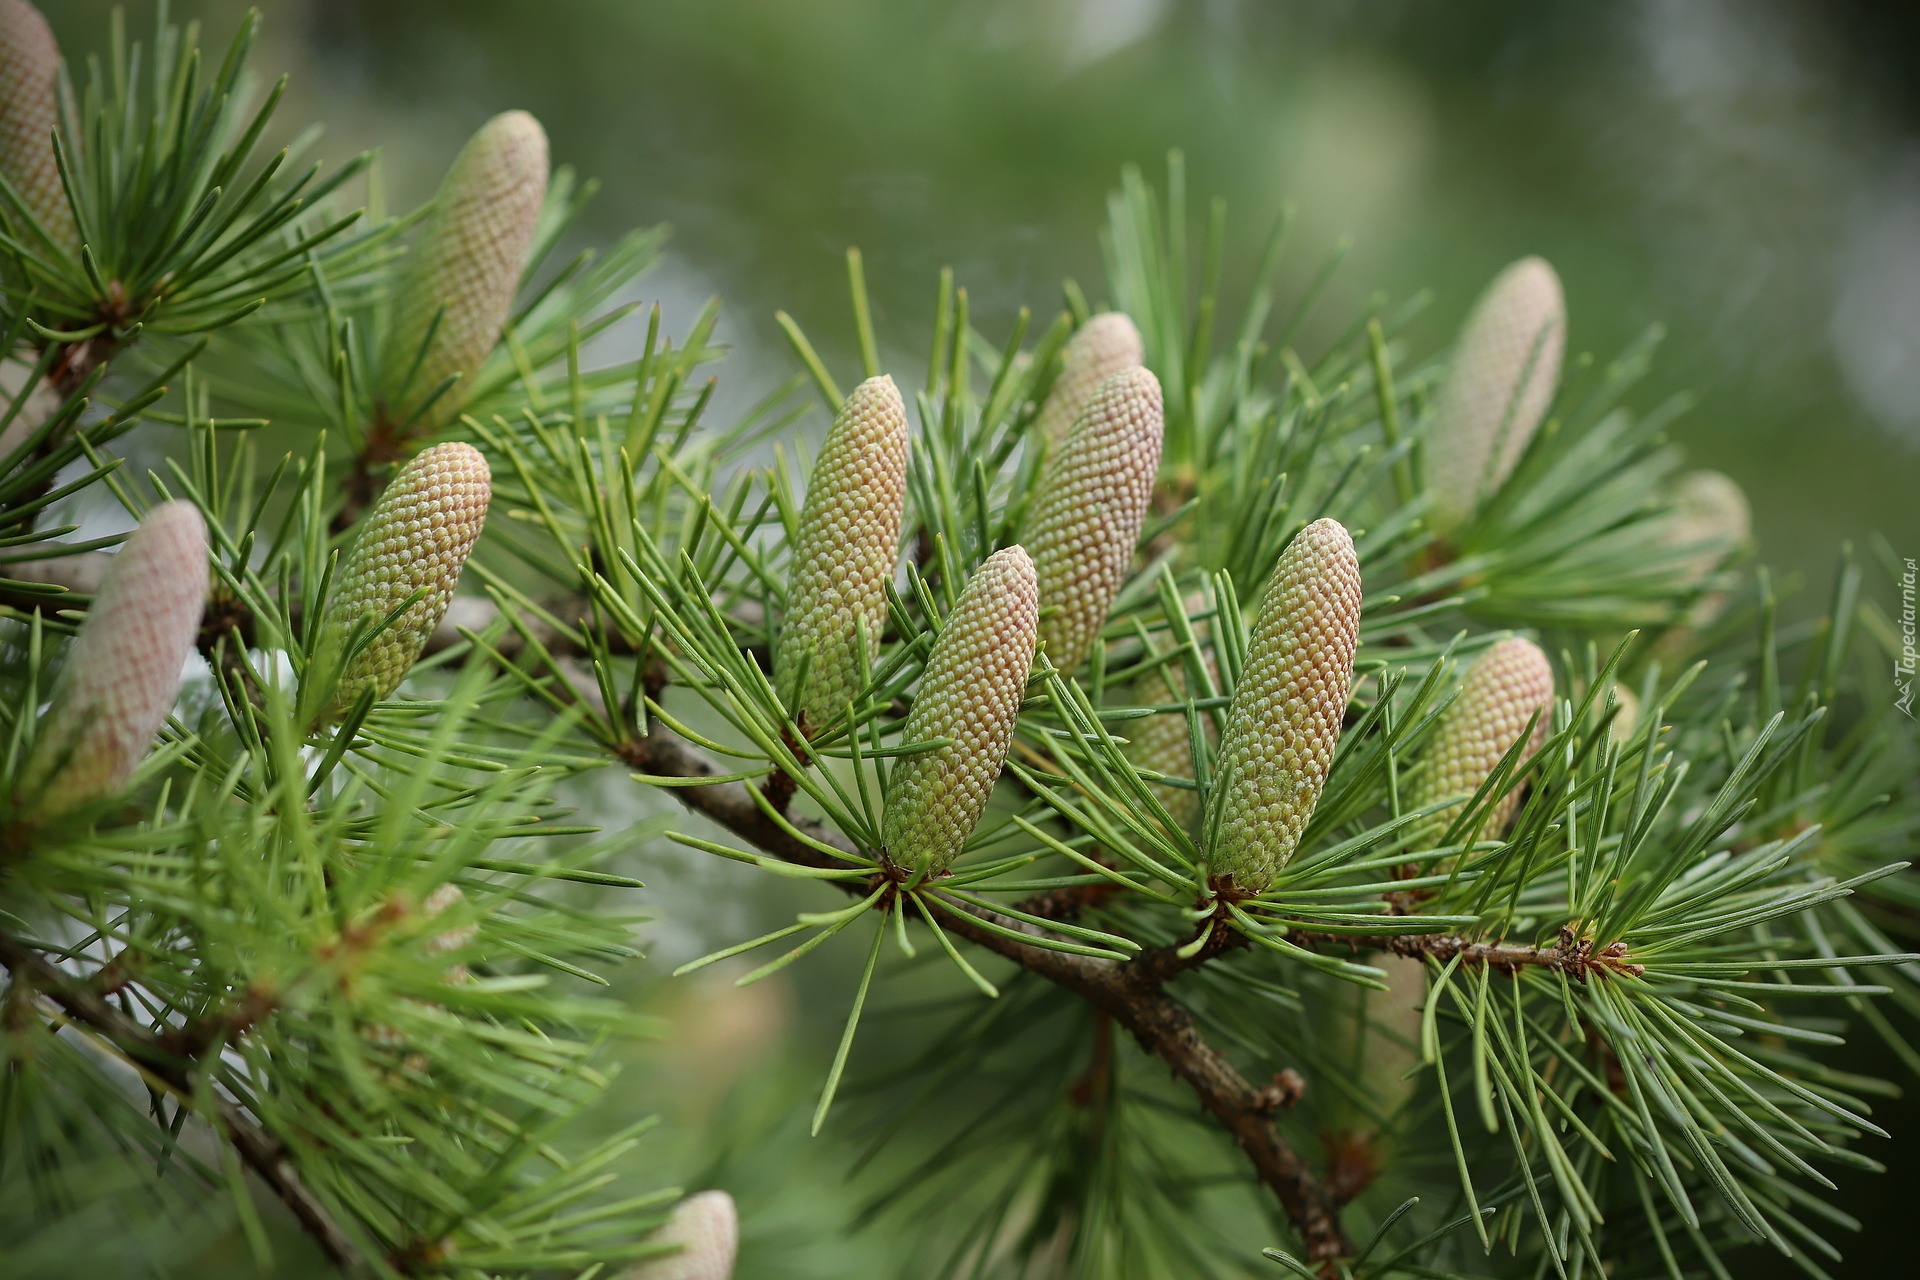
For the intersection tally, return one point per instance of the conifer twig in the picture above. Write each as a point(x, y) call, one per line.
point(1130, 992)
point(262, 1152)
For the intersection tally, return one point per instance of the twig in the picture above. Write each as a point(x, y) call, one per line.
point(1130, 992)
point(1574, 956)
point(263, 1153)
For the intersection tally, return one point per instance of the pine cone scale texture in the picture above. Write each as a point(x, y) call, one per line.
point(417, 538)
point(1086, 523)
point(464, 269)
point(970, 695)
point(1505, 370)
point(124, 670)
point(1506, 686)
point(29, 112)
point(844, 557)
point(1285, 718)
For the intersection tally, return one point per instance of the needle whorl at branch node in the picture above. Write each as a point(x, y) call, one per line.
point(1094, 499)
point(29, 110)
point(844, 557)
point(1105, 345)
point(1504, 688)
point(1285, 718)
point(417, 538)
point(1505, 370)
point(970, 695)
point(707, 1226)
point(124, 670)
point(463, 271)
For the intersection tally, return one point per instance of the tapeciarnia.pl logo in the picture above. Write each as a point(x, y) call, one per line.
point(1904, 664)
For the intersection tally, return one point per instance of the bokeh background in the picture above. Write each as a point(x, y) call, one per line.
point(1745, 172)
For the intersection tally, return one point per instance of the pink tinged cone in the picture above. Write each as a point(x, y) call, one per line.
point(1286, 714)
point(29, 111)
point(1505, 370)
point(123, 672)
point(463, 271)
point(844, 558)
point(1105, 345)
point(969, 695)
point(707, 1226)
point(1711, 520)
point(1086, 524)
point(417, 538)
point(1506, 686)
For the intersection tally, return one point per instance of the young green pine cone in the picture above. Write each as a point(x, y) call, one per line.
point(1710, 521)
point(1504, 688)
point(1105, 345)
point(1505, 369)
point(1093, 501)
point(844, 558)
point(417, 538)
point(29, 110)
point(970, 695)
point(1162, 742)
point(463, 271)
point(1286, 713)
point(707, 1227)
point(123, 672)
point(1379, 1032)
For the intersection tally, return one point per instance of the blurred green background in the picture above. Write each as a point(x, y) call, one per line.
point(1745, 171)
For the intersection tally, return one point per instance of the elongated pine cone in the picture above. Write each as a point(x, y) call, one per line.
point(123, 672)
point(970, 695)
point(1504, 688)
point(1505, 370)
point(1710, 521)
point(1379, 1032)
point(1285, 718)
point(1093, 500)
point(464, 270)
point(1105, 345)
point(1163, 742)
point(844, 558)
point(29, 111)
point(707, 1227)
point(417, 538)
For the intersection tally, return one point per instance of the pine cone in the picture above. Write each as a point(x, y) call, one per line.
point(463, 271)
point(417, 538)
point(1105, 345)
point(123, 672)
point(970, 695)
point(844, 558)
point(1710, 521)
point(1505, 370)
point(1086, 524)
point(1383, 1029)
point(1504, 688)
point(29, 112)
point(1162, 742)
point(708, 1227)
point(1286, 714)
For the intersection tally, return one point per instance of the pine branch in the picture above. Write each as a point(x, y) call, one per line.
point(1132, 992)
point(161, 1060)
point(1574, 956)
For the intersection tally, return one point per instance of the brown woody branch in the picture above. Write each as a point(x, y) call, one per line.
point(161, 1062)
point(1130, 992)
point(1574, 956)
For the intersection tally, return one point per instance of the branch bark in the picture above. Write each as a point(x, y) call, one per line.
point(263, 1153)
point(1130, 992)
